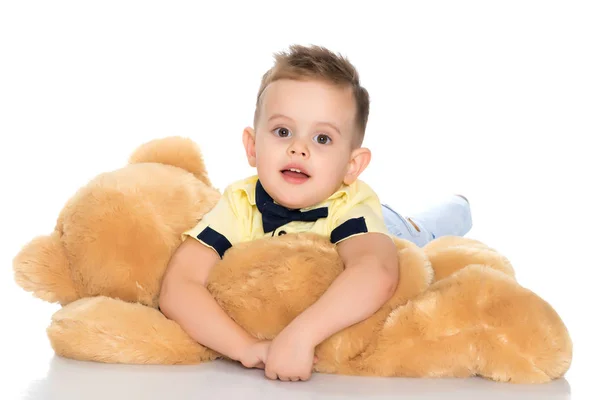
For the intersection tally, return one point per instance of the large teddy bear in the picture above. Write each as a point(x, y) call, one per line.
point(457, 312)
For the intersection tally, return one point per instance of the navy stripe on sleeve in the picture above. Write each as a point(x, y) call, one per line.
point(349, 228)
point(215, 240)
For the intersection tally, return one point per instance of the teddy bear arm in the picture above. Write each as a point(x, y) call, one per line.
point(108, 330)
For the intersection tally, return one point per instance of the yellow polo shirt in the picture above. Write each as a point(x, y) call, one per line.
point(352, 210)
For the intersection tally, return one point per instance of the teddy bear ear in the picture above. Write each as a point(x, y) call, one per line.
point(42, 268)
point(176, 151)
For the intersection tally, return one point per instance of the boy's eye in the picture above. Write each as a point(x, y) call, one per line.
point(282, 132)
point(323, 139)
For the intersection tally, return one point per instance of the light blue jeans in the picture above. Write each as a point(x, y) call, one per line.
point(448, 217)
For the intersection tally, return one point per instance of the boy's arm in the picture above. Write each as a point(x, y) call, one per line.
point(185, 299)
point(369, 279)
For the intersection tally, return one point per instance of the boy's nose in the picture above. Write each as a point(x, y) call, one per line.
point(302, 153)
point(298, 149)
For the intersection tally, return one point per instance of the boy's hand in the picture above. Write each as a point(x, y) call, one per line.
point(291, 357)
point(255, 354)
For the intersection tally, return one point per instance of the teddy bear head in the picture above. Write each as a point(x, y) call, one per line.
point(115, 235)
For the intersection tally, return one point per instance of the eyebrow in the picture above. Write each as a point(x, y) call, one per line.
point(274, 116)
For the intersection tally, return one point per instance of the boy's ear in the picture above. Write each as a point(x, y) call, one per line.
point(249, 144)
point(359, 160)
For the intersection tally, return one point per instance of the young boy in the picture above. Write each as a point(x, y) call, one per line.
point(310, 119)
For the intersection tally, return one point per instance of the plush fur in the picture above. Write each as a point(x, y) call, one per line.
point(458, 310)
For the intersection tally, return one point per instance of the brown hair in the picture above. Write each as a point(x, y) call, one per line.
point(315, 62)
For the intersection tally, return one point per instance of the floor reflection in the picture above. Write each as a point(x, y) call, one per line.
point(69, 379)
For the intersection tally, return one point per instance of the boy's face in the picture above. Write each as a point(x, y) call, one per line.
point(307, 126)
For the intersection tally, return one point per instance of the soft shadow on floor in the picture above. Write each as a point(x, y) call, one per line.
point(68, 379)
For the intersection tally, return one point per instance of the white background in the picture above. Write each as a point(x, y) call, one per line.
point(499, 101)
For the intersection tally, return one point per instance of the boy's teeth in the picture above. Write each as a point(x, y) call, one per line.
point(295, 170)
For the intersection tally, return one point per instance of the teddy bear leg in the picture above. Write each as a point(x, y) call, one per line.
point(522, 338)
point(449, 254)
point(104, 329)
point(498, 360)
point(408, 346)
point(478, 322)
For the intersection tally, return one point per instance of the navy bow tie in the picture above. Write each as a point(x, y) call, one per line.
point(275, 215)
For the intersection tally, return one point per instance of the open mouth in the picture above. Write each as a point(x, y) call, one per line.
point(294, 173)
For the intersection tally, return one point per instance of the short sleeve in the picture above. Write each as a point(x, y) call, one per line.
point(362, 214)
point(220, 228)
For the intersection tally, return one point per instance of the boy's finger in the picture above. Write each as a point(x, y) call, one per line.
point(270, 374)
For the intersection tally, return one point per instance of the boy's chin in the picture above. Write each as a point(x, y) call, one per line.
point(293, 203)
point(290, 201)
